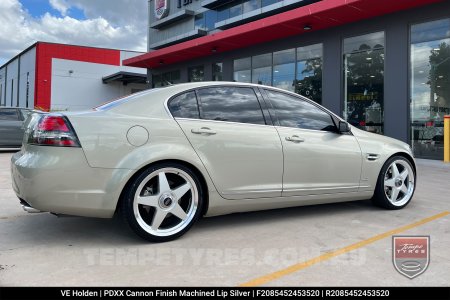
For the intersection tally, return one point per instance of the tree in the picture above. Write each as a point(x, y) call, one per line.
point(311, 85)
point(439, 80)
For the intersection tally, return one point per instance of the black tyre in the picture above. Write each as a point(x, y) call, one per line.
point(396, 183)
point(163, 202)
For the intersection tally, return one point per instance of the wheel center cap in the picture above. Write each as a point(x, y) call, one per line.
point(398, 182)
point(166, 201)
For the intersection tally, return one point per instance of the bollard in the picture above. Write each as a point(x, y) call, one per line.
point(447, 139)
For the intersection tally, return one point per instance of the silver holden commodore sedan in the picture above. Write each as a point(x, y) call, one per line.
point(167, 156)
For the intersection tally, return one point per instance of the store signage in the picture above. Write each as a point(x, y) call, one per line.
point(363, 96)
point(183, 3)
point(161, 8)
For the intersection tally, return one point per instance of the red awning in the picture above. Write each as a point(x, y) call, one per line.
point(319, 15)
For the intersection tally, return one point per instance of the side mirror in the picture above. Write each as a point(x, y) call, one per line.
point(343, 127)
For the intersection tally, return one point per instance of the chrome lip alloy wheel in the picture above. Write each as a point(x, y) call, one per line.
point(399, 183)
point(166, 202)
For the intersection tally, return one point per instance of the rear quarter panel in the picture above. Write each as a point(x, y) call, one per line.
point(103, 137)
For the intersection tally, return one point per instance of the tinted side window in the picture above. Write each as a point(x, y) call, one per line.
point(9, 115)
point(232, 104)
point(294, 112)
point(184, 106)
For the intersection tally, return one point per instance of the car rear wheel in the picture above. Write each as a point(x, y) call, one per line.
point(163, 202)
point(396, 184)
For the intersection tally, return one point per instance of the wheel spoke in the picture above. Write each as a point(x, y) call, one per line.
point(395, 171)
point(394, 194)
point(148, 200)
point(158, 218)
point(179, 192)
point(404, 189)
point(389, 182)
point(163, 183)
point(404, 174)
point(179, 212)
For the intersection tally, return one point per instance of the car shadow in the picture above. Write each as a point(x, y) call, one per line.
point(9, 150)
point(46, 229)
point(285, 214)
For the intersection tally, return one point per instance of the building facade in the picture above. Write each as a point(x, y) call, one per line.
point(382, 65)
point(51, 76)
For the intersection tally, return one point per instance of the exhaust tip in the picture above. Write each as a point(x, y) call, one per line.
point(27, 207)
point(30, 209)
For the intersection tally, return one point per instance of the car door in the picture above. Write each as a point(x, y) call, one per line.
point(11, 132)
point(241, 153)
point(317, 158)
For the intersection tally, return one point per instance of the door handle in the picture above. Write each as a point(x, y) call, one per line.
point(203, 130)
point(295, 139)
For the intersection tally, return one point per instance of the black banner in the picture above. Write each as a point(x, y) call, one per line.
point(428, 293)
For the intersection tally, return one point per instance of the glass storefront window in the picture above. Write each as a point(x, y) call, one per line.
point(236, 10)
point(167, 78)
point(262, 69)
point(243, 76)
point(217, 71)
point(251, 5)
point(284, 69)
point(171, 77)
point(210, 19)
point(157, 81)
point(196, 74)
point(298, 70)
point(268, 2)
point(207, 20)
point(199, 21)
point(364, 81)
point(430, 86)
point(223, 13)
point(308, 81)
point(242, 70)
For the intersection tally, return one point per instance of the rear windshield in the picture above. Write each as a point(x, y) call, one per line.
point(117, 102)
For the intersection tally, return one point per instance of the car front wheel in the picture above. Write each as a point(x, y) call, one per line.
point(396, 184)
point(163, 202)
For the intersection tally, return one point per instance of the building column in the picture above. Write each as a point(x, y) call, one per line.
point(149, 79)
point(207, 69)
point(227, 71)
point(184, 74)
point(332, 75)
point(396, 70)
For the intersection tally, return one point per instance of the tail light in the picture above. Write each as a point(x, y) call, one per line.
point(53, 130)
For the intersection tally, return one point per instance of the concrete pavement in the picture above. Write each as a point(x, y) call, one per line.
point(44, 250)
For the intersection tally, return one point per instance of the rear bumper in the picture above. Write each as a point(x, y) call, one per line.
point(59, 180)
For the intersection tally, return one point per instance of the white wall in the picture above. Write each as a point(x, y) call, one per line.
point(10, 74)
point(83, 88)
point(27, 66)
point(2, 85)
point(129, 54)
point(11, 84)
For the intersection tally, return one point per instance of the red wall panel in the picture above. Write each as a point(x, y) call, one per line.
point(45, 52)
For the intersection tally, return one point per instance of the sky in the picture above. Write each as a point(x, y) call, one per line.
point(119, 24)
